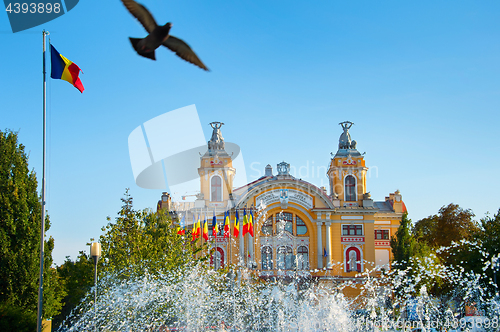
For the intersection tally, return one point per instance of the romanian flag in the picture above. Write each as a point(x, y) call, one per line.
point(245, 222)
point(236, 225)
point(215, 227)
point(226, 224)
point(250, 223)
point(193, 231)
point(198, 227)
point(181, 230)
point(63, 69)
point(205, 228)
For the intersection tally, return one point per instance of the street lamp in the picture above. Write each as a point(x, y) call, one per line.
point(95, 252)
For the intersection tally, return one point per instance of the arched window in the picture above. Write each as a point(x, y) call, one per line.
point(301, 226)
point(302, 258)
point(267, 258)
point(353, 259)
point(284, 222)
point(350, 188)
point(216, 189)
point(217, 258)
point(267, 227)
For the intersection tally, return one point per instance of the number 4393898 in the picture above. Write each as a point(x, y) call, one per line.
point(33, 8)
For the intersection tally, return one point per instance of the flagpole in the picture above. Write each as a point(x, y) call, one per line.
point(254, 242)
point(42, 236)
point(215, 241)
point(228, 244)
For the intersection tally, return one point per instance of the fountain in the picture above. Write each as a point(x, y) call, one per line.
point(198, 298)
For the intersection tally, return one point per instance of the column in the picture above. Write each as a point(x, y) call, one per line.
point(251, 259)
point(328, 244)
point(320, 244)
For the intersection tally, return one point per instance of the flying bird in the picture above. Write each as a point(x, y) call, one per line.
point(158, 35)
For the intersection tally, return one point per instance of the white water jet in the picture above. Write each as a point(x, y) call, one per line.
point(200, 299)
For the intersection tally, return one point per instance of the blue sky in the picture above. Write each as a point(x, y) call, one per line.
point(420, 80)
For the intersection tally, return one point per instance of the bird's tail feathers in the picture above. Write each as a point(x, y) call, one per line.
point(140, 51)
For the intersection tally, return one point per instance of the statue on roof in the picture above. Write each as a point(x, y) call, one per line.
point(345, 141)
point(217, 141)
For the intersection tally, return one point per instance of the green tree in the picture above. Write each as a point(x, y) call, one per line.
point(448, 236)
point(490, 233)
point(145, 240)
point(476, 255)
point(78, 278)
point(412, 256)
point(403, 244)
point(451, 224)
point(20, 223)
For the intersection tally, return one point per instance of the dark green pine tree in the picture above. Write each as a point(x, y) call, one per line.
point(403, 244)
point(20, 223)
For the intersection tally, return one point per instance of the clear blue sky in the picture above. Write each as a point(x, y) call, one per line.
point(420, 80)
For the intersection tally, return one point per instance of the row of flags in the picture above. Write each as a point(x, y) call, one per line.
point(201, 229)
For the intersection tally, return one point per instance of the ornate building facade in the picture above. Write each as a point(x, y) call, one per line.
point(299, 229)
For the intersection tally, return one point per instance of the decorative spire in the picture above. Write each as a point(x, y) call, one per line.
point(216, 143)
point(347, 146)
point(283, 168)
point(345, 141)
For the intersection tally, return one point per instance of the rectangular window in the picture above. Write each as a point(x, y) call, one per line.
point(352, 230)
point(382, 234)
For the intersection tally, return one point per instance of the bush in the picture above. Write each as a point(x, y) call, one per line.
point(13, 318)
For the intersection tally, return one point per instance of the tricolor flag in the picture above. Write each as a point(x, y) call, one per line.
point(226, 224)
point(198, 227)
point(236, 225)
point(63, 69)
point(250, 223)
point(205, 228)
point(181, 230)
point(194, 231)
point(245, 222)
point(215, 227)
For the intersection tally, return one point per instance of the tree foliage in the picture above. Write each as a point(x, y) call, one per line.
point(138, 241)
point(490, 234)
point(143, 240)
point(78, 279)
point(451, 224)
point(403, 244)
point(20, 227)
point(448, 239)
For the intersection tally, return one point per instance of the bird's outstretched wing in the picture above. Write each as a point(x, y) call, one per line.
point(141, 14)
point(183, 51)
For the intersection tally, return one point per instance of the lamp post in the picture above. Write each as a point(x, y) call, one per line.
point(95, 252)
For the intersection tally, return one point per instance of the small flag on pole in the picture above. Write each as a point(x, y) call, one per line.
point(245, 222)
point(198, 227)
point(226, 224)
point(236, 224)
point(63, 69)
point(215, 227)
point(193, 231)
point(205, 228)
point(181, 230)
point(250, 223)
